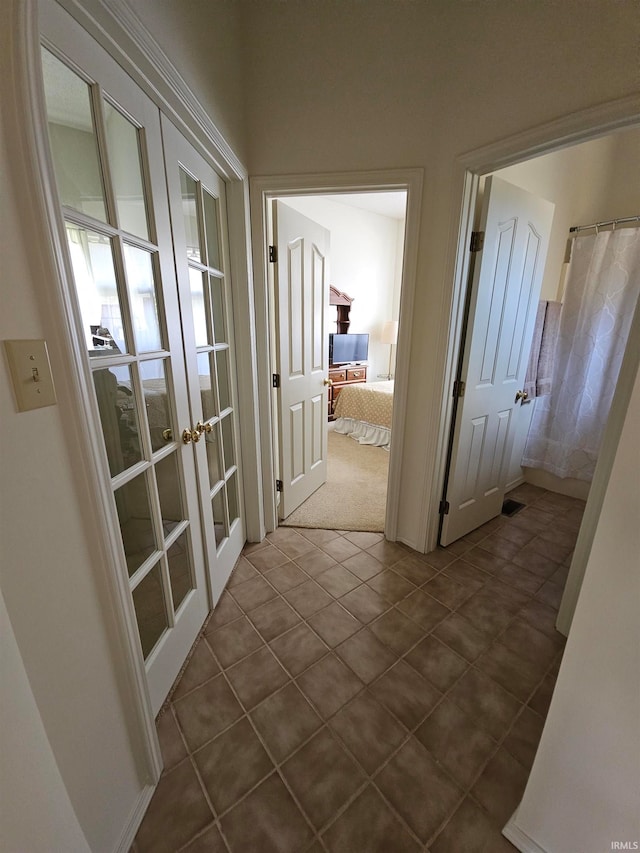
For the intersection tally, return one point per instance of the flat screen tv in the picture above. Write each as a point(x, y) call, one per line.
point(346, 348)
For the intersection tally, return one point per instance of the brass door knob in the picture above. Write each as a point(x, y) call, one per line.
point(327, 381)
point(167, 434)
point(522, 395)
point(190, 435)
point(200, 427)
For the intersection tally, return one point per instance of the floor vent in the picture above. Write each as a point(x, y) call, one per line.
point(510, 507)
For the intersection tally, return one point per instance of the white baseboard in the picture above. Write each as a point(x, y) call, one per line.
point(520, 839)
point(133, 824)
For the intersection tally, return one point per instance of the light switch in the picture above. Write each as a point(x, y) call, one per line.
point(31, 374)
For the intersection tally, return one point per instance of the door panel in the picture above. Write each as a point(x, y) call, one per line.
point(505, 292)
point(198, 218)
point(302, 294)
point(106, 143)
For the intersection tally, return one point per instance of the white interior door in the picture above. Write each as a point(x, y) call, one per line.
point(198, 218)
point(504, 299)
point(302, 344)
point(106, 146)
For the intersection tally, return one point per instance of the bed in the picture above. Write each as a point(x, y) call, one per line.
point(364, 412)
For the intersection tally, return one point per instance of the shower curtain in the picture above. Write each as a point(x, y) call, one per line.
point(602, 289)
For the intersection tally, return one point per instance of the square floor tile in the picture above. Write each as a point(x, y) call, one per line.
point(397, 631)
point(319, 537)
point(257, 677)
point(501, 786)
point(406, 694)
point(365, 655)
point(206, 711)
point(437, 663)
point(363, 565)
point(541, 699)
point(286, 577)
point(543, 618)
point(487, 612)
point(208, 842)
point(439, 558)
point(308, 598)
point(418, 789)
point(200, 668)
point(485, 701)
point(298, 649)
point(468, 574)
point(551, 593)
point(177, 812)
point(235, 641)
point(364, 539)
point(524, 737)
point(519, 677)
point(285, 720)
point(242, 571)
point(267, 820)
point(364, 603)
point(253, 593)
point(274, 618)
point(267, 558)
point(232, 764)
point(338, 581)
point(470, 830)
point(315, 562)
point(463, 637)
point(329, 684)
point(413, 569)
point(520, 578)
point(322, 776)
point(448, 591)
point(485, 560)
point(171, 743)
point(226, 610)
point(388, 553)
point(423, 609)
point(334, 624)
point(368, 731)
point(391, 585)
point(340, 549)
point(369, 826)
point(289, 541)
point(529, 644)
point(456, 742)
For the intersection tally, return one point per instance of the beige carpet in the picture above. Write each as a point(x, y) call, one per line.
point(354, 496)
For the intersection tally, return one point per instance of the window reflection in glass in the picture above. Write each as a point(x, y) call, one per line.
point(157, 403)
point(132, 502)
point(73, 140)
point(197, 281)
point(116, 398)
point(232, 497)
point(217, 297)
point(170, 492)
point(219, 520)
point(126, 171)
point(211, 229)
point(142, 298)
point(190, 213)
point(95, 280)
point(212, 444)
point(227, 442)
point(179, 569)
point(224, 384)
point(206, 387)
point(151, 614)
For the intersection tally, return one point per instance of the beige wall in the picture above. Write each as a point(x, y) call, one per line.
point(351, 86)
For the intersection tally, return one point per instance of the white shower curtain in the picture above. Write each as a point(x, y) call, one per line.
point(602, 289)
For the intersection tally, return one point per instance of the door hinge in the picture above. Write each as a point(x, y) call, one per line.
point(443, 509)
point(276, 380)
point(273, 254)
point(477, 241)
point(458, 388)
point(278, 485)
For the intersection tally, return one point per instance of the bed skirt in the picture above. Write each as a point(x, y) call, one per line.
point(364, 433)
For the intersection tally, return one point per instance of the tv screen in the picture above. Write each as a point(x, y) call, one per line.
point(345, 348)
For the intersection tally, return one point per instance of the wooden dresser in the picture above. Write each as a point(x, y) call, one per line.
point(341, 376)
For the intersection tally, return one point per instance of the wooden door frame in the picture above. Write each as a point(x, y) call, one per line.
point(563, 133)
point(122, 36)
point(262, 192)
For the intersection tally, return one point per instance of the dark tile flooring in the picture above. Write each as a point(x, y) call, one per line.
point(349, 694)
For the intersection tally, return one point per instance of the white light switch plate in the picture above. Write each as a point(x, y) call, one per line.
point(31, 374)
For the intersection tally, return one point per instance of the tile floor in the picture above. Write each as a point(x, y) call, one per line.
point(348, 694)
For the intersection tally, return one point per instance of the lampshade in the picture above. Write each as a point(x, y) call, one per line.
point(390, 332)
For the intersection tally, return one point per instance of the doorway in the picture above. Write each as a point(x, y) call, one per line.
point(337, 198)
point(589, 182)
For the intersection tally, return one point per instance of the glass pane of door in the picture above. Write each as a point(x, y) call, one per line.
point(126, 172)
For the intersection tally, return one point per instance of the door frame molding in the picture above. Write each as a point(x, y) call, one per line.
point(27, 141)
point(263, 190)
point(565, 132)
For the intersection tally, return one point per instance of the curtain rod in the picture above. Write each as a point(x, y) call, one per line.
point(596, 225)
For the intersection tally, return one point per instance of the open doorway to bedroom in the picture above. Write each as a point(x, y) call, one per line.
point(361, 320)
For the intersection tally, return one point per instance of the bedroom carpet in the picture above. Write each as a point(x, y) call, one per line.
point(354, 496)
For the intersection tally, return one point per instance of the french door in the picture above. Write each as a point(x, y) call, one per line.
point(177, 497)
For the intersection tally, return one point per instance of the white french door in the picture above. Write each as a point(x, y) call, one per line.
point(109, 162)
